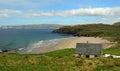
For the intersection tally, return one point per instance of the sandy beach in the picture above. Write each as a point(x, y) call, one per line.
point(69, 43)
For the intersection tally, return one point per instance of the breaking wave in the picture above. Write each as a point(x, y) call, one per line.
point(38, 44)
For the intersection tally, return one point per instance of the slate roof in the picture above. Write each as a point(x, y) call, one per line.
point(88, 49)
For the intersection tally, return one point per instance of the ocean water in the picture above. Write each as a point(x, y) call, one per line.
point(19, 39)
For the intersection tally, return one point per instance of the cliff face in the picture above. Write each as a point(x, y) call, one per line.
point(41, 26)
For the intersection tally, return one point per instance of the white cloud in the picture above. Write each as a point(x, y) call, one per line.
point(104, 12)
point(3, 16)
point(79, 12)
point(91, 12)
point(6, 13)
point(10, 11)
point(37, 14)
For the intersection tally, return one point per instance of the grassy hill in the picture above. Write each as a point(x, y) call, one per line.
point(95, 30)
point(60, 60)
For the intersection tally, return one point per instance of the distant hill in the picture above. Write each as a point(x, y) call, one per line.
point(40, 26)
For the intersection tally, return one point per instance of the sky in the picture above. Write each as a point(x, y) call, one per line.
point(65, 12)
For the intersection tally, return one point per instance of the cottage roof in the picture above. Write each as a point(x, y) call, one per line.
point(89, 49)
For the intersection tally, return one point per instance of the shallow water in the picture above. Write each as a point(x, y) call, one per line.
point(18, 39)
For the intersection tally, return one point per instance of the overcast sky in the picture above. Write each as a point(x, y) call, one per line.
point(22, 12)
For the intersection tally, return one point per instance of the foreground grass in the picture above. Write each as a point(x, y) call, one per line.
point(61, 60)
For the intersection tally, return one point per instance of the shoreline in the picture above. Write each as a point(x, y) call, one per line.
point(64, 43)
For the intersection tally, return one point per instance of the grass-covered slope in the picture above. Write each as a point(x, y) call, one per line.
point(60, 60)
point(101, 30)
point(115, 50)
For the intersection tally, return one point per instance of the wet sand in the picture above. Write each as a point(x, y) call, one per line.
point(68, 43)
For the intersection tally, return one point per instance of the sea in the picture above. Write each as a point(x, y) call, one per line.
point(20, 39)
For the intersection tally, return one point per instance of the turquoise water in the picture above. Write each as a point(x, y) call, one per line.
point(14, 39)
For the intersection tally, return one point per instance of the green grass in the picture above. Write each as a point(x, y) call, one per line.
point(61, 53)
point(115, 50)
point(60, 60)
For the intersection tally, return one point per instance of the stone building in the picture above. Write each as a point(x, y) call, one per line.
point(88, 50)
